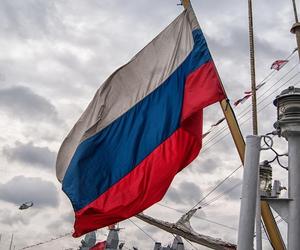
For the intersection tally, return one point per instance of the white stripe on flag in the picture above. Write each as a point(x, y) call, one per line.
point(131, 83)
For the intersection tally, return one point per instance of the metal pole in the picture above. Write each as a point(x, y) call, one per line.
point(249, 193)
point(258, 216)
point(295, 11)
point(293, 138)
point(296, 27)
point(294, 191)
point(11, 241)
point(252, 68)
point(254, 117)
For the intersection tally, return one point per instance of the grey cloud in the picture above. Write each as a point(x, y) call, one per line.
point(231, 188)
point(68, 37)
point(9, 217)
point(143, 238)
point(236, 45)
point(173, 195)
point(2, 77)
point(54, 225)
point(151, 229)
point(186, 193)
point(232, 52)
point(32, 18)
point(208, 166)
point(22, 189)
point(28, 153)
point(21, 102)
point(65, 220)
point(69, 217)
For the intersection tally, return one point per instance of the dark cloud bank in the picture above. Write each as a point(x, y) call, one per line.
point(22, 189)
point(22, 103)
point(29, 154)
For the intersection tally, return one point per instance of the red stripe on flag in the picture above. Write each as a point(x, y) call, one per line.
point(202, 88)
point(142, 187)
point(148, 182)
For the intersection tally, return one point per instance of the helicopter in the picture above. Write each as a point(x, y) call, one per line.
point(26, 205)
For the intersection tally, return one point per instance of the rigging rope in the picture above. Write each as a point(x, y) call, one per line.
point(204, 219)
point(142, 230)
point(220, 183)
point(193, 246)
point(48, 241)
point(266, 91)
point(220, 195)
point(198, 217)
point(247, 109)
point(243, 122)
point(217, 186)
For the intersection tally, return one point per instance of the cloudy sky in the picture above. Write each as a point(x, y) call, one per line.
point(55, 54)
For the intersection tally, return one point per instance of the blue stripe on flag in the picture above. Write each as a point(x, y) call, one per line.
point(105, 158)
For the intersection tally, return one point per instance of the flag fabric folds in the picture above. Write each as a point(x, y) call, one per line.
point(142, 127)
point(277, 65)
point(242, 100)
point(212, 126)
point(247, 95)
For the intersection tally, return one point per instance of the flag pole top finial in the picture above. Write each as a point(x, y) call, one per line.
point(185, 3)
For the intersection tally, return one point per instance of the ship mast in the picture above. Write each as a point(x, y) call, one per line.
point(252, 69)
point(254, 118)
point(296, 27)
point(262, 207)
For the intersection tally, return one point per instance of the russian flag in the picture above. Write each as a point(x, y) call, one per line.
point(143, 126)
